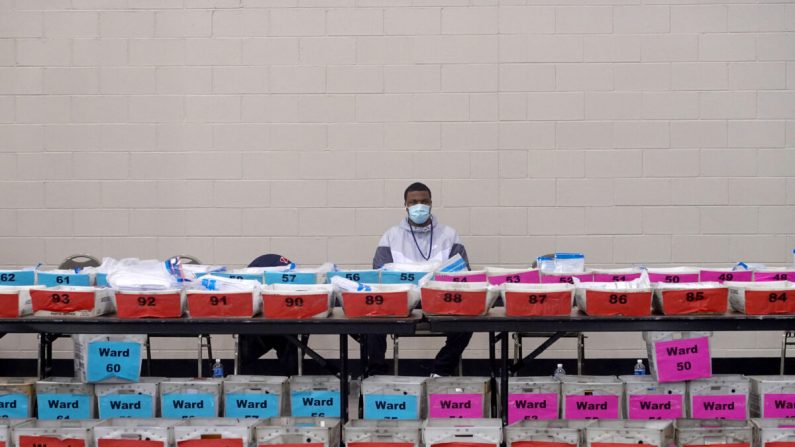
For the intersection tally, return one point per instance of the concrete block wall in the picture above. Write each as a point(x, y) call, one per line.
point(636, 131)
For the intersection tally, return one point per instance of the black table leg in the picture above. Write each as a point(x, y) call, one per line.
point(344, 385)
point(493, 373)
point(504, 376)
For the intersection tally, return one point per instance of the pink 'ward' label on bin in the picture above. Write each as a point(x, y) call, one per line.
point(686, 359)
point(456, 406)
point(656, 406)
point(532, 406)
point(730, 406)
point(779, 406)
point(592, 407)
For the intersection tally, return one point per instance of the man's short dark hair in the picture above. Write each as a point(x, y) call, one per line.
point(416, 186)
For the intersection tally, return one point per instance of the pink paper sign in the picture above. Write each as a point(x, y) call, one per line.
point(779, 406)
point(532, 406)
point(476, 277)
point(728, 406)
point(528, 277)
point(549, 279)
point(773, 276)
point(592, 407)
point(686, 359)
point(720, 276)
point(456, 406)
point(674, 278)
point(615, 277)
point(656, 406)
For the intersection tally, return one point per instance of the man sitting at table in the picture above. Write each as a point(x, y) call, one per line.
point(418, 238)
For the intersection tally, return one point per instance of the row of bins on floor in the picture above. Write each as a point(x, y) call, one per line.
point(325, 432)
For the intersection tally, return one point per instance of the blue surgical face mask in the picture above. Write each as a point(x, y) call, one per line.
point(419, 213)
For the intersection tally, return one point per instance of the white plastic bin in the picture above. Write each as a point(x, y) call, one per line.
point(533, 398)
point(623, 432)
point(130, 432)
point(15, 301)
point(224, 303)
point(774, 432)
point(255, 396)
point(466, 430)
point(772, 396)
point(188, 398)
point(614, 299)
point(458, 298)
point(719, 397)
point(647, 399)
point(459, 397)
point(591, 397)
point(532, 300)
point(64, 398)
point(700, 432)
point(762, 298)
point(72, 301)
point(16, 397)
point(315, 396)
point(168, 303)
point(378, 433)
point(288, 301)
point(212, 432)
point(64, 433)
point(113, 358)
point(569, 433)
point(382, 300)
point(394, 397)
point(704, 298)
point(294, 431)
point(128, 400)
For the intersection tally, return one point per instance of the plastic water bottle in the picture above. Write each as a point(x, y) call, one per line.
point(640, 369)
point(793, 257)
point(559, 372)
point(218, 369)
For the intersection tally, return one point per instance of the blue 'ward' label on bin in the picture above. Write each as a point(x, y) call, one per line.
point(290, 278)
point(316, 404)
point(17, 277)
point(14, 406)
point(181, 406)
point(390, 406)
point(126, 406)
point(64, 279)
point(250, 405)
point(113, 360)
point(63, 406)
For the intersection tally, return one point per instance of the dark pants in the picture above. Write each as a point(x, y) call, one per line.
point(252, 347)
point(444, 364)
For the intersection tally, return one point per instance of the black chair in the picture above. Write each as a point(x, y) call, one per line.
point(79, 261)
